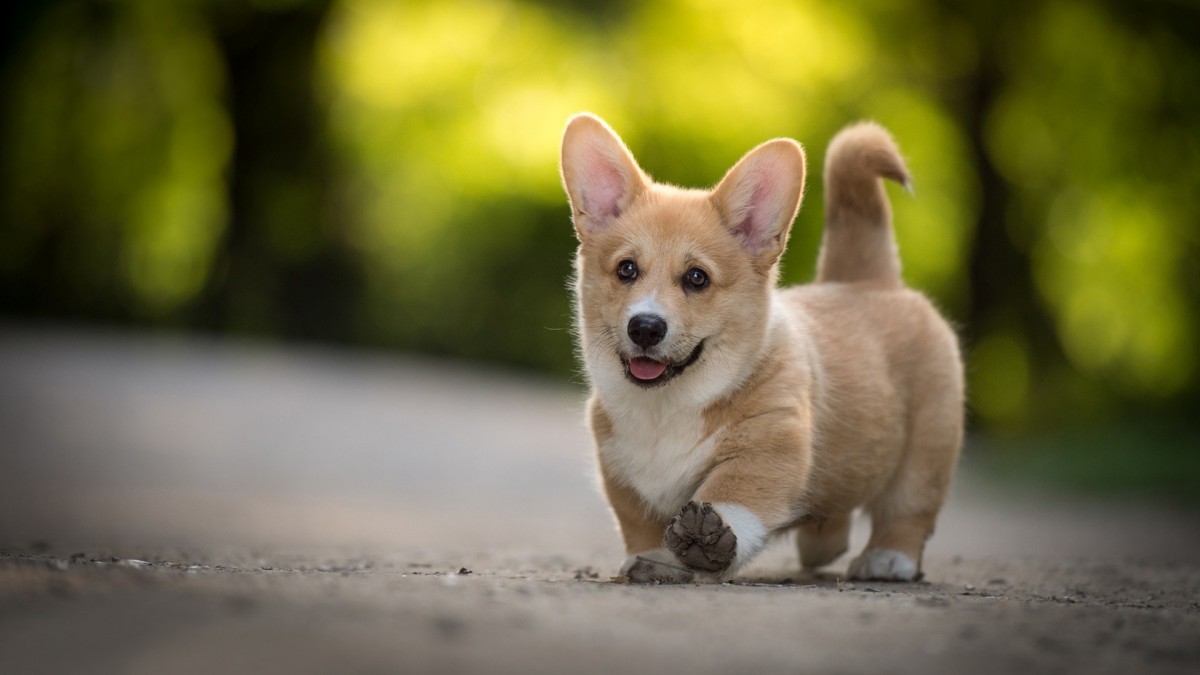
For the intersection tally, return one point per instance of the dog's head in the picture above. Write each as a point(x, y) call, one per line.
point(673, 284)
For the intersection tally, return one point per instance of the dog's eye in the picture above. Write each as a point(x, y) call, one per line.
point(695, 279)
point(627, 270)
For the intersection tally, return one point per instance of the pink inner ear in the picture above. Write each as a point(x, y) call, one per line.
point(759, 210)
point(603, 191)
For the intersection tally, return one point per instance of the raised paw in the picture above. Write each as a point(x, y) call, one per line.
point(700, 539)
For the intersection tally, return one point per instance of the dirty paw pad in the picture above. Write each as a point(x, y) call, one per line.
point(699, 538)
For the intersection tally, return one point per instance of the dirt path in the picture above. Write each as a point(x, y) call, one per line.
point(177, 505)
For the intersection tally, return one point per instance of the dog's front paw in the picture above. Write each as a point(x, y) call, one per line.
point(700, 539)
point(656, 567)
point(881, 564)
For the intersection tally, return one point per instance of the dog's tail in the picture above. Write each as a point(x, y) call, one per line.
point(858, 243)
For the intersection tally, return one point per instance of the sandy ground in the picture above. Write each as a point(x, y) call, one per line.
point(186, 505)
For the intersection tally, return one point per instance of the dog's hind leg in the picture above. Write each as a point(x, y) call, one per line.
point(823, 541)
point(904, 513)
point(894, 552)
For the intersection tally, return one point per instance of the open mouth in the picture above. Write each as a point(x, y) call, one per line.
point(646, 372)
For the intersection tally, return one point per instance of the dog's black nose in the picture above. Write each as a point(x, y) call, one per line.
point(647, 330)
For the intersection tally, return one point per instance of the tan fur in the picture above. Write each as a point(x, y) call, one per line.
point(805, 403)
point(858, 244)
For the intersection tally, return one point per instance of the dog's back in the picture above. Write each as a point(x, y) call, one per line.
point(884, 356)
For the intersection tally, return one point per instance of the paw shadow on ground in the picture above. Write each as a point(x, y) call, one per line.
point(830, 580)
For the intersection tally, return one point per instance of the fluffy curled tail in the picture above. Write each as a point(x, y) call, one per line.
point(858, 243)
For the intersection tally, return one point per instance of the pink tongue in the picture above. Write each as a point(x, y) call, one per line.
point(646, 369)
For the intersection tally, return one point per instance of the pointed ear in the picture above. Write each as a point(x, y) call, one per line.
point(759, 197)
point(600, 175)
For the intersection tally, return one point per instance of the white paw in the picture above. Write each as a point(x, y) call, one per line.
point(747, 527)
point(882, 564)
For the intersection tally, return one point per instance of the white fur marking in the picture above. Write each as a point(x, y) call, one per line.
point(658, 451)
point(883, 564)
point(647, 305)
point(747, 527)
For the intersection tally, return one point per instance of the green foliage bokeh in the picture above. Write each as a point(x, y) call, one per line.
point(1053, 146)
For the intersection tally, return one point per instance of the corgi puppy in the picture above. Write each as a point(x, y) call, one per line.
point(726, 410)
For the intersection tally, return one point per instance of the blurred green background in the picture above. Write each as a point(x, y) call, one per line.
point(384, 174)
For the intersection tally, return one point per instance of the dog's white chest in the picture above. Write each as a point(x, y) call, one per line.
point(660, 453)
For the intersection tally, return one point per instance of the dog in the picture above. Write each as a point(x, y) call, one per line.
point(725, 410)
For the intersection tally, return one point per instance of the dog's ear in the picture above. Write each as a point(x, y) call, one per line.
point(759, 197)
point(600, 175)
